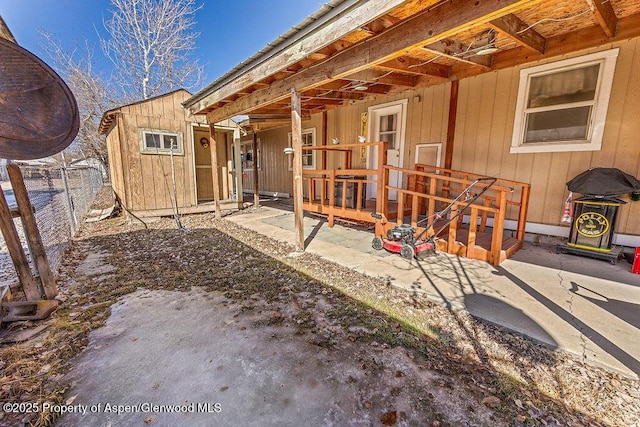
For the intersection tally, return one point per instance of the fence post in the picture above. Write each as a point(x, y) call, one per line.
point(73, 222)
point(29, 284)
point(31, 230)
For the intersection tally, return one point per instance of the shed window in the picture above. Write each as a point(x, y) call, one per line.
point(161, 142)
point(562, 106)
point(308, 156)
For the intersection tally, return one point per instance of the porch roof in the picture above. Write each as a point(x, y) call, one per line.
point(353, 50)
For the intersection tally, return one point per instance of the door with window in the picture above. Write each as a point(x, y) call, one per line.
point(387, 122)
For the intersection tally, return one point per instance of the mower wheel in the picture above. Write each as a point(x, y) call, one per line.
point(406, 252)
point(377, 243)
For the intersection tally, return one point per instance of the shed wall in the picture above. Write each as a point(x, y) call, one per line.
point(150, 175)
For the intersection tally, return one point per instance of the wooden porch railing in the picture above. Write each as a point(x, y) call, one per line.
point(320, 185)
point(429, 190)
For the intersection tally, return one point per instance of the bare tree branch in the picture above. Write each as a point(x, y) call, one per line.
point(91, 93)
point(150, 44)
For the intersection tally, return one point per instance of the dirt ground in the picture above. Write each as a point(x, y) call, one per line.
point(430, 366)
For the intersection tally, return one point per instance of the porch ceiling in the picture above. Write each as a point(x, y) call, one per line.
point(384, 46)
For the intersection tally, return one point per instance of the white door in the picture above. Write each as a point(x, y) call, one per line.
point(387, 123)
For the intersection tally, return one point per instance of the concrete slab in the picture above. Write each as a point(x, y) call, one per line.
point(587, 307)
point(193, 359)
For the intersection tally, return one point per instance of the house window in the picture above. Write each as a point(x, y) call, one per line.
point(161, 142)
point(308, 156)
point(248, 156)
point(562, 106)
point(389, 129)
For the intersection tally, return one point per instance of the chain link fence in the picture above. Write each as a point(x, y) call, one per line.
point(60, 197)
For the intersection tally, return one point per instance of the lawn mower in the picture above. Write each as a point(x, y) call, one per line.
point(402, 238)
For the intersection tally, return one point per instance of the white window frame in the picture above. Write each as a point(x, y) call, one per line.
point(247, 147)
point(593, 142)
point(312, 132)
point(179, 151)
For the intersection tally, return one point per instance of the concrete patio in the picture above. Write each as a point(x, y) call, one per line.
point(586, 307)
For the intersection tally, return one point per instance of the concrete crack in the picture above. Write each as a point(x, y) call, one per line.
point(571, 293)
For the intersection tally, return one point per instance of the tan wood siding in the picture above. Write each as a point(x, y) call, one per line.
point(486, 112)
point(115, 165)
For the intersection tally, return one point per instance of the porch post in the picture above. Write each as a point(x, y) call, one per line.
point(296, 144)
point(238, 167)
point(451, 126)
point(256, 190)
point(213, 146)
point(324, 140)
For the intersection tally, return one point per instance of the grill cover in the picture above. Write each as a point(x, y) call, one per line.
point(604, 182)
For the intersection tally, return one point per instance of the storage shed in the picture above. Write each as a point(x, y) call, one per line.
point(160, 156)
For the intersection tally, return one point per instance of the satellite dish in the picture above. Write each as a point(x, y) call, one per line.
point(38, 113)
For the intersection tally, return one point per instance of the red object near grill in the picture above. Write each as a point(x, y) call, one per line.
point(636, 262)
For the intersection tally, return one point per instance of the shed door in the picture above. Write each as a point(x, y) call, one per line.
point(204, 180)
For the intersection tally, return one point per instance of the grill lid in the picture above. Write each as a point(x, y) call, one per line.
point(604, 182)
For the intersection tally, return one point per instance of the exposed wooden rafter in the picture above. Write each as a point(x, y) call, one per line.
point(407, 64)
point(384, 77)
point(605, 15)
point(519, 31)
point(425, 28)
point(458, 51)
point(333, 94)
point(298, 50)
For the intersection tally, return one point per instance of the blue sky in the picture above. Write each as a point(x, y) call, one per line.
point(231, 31)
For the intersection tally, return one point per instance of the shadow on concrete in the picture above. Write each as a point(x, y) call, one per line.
point(487, 308)
point(546, 256)
point(623, 310)
point(313, 233)
point(501, 313)
point(594, 336)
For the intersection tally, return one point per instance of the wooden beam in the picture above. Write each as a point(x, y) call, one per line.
point(453, 49)
point(407, 64)
point(38, 253)
point(384, 77)
point(425, 28)
point(451, 124)
point(29, 284)
point(296, 144)
point(256, 181)
point(213, 146)
point(605, 15)
point(333, 95)
point(324, 36)
point(586, 38)
point(311, 102)
point(517, 29)
point(564, 44)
